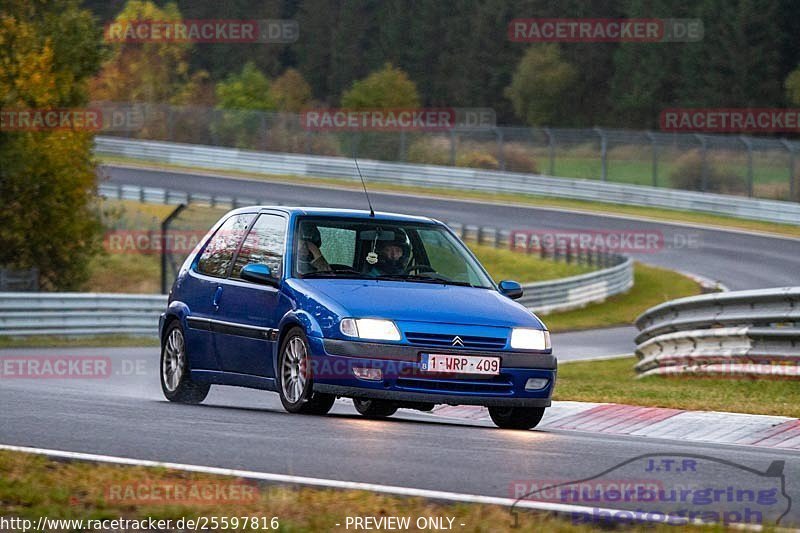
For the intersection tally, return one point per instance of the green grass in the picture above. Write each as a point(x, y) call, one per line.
point(649, 213)
point(652, 286)
point(34, 486)
point(103, 341)
point(614, 381)
point(524, 268)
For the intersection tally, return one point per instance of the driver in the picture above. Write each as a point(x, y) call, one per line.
point(393, 255)
point(309, 256)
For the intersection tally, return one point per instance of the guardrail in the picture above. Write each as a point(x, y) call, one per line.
point(564, 294)
point(753, 333)
point(447, 178)
point(25, 313)
point(75, 314)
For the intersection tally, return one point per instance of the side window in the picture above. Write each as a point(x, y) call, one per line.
point(338, 245)
point(264, 244)
point(219, 252)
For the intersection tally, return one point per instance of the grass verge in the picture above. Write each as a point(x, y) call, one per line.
point(100, 341)
point(650, 213)
point(35, 486)
point(652, 286)
point(614, 381)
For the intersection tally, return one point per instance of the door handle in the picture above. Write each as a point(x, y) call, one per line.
point(217, 296)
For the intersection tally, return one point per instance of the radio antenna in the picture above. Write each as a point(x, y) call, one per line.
point(364, 184)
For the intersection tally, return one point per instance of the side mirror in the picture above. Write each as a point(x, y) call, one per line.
point(512, 289)
point(258, 273)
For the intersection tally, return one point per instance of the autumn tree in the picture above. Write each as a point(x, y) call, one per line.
point(47, 177)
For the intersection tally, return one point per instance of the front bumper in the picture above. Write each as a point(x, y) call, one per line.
point(404, 380)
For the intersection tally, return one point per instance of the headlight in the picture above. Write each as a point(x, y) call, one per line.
point(530, 339)
point(370, 328)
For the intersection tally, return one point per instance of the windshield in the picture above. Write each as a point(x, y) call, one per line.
point(380, 249)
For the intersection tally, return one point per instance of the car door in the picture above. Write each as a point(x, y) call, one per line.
point(202, 289)
point(247, 318)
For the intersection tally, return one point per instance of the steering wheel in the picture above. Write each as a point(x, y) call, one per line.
point(419, 269)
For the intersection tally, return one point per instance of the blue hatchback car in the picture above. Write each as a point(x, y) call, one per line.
point(392, 311)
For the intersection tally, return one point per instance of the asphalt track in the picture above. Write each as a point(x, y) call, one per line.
point(125, 415)
point(738, 260)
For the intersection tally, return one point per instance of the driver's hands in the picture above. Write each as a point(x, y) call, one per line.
point(313, 249)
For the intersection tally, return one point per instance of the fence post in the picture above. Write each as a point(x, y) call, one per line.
point(655, 156)
point(603, 154)
point(792, 186)
point(551, 151)
point(500, 154)
point(704, 171)
point(164, 228)
point(452, 148)
point(749, 146)
point(402, 155)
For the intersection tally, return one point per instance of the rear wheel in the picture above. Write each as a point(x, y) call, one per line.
point(295, 383)
point(516, 417)
point(375, 408)
point(176, 381)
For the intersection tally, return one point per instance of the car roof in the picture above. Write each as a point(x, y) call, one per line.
point(336, 213)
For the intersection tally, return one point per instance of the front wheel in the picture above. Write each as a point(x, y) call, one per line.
point(375, 408)
point(295, 384)
point(176, 381)
point(516, 417)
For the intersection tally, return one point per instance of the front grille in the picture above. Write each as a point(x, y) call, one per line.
point(446, 341)
point(496, 385)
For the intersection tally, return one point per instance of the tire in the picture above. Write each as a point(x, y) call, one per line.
point(516, 417)
point(295, 382)
point(375, 408)
point(175, 371)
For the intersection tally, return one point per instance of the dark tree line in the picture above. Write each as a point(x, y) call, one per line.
point(458, 53)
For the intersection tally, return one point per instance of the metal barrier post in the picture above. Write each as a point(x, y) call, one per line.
point(164, 229)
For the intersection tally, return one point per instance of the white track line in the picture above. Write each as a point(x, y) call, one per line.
point(559, 508)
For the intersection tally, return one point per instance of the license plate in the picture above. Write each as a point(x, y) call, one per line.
point(460, 364)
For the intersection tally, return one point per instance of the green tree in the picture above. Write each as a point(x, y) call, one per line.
point(248, 89)
point(540, 88)
point(243, 98)
point(792, 86)
point(389, 87)
point(48, 219)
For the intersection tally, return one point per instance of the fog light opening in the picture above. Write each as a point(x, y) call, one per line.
point(536, 383)
point(371, 374)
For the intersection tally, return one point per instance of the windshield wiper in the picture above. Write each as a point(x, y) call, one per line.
point(334, 274)
point(424, 279)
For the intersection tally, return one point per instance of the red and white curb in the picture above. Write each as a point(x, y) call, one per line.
point(657, 422)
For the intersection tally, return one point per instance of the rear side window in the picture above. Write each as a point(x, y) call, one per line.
point(264, 244)
point(218, 254)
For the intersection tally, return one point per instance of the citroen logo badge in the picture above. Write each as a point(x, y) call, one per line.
point(457, 341)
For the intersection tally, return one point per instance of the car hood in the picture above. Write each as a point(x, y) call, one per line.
point(423, 302)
